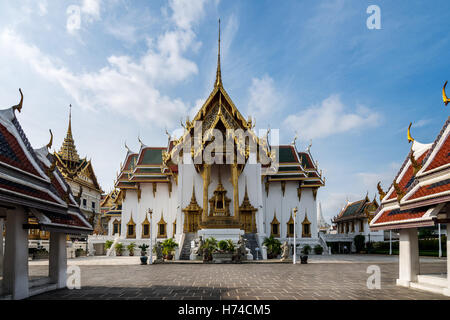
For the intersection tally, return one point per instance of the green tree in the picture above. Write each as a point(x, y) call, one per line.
point(359, 241)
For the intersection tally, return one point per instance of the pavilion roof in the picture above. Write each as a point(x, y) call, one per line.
point(30, 178)
point(421, 187)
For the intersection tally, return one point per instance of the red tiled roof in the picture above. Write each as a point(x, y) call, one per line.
point(401, 215)
point(407, 178)
point(442, 157)
point(28, 191)
point(431, 189)
point(17, 157)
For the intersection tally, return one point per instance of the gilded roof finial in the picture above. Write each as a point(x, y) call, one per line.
point(49, 145)
point(408, 134)
point(126, 147)
point(19, 106)
point(444, 96)
point(218, 72)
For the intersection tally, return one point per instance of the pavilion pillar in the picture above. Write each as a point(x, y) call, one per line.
point(1, 244)
point(447, 291)
point(58, 259)
point(234, 179)
point(15, 268)
point(206, 180)
point(408, 257)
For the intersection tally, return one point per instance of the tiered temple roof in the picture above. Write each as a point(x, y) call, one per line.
point(421, 188)
point(71, 166)
point(363, 208)
point(30, 178)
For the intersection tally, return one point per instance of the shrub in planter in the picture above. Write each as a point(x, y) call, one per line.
point(119, 248)
point(130, 248)
point(144, 257)
point(108, 244)
point(80, 252)
point(208, 247)
point(359, 242)
point(318, 249)
point(169, 246)
point(273, 247)
point(306, 249)
point(222, 245)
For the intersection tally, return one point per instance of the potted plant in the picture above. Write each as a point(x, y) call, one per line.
point(224, 251)
point(108, 244)
point(273, 247)
point(130, 248)
point(169, 246)
point(144, 257)
point(208, 247)
point(119, 248)
point(318, 249)
point(304, 256)
point(80, 252)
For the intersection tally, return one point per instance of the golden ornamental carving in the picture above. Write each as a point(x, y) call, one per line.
point(314, 191)
point(247, 213)
point(219, 203)
point(283, 187)
point(138, 192)
point(169, 186)
point(50, 143)
point(380, 191)
point(192, 214)
point(154, 184)
point(400, 193)
point(416, 166)
point(444, 96)
point(18, 107)
point(408, 134)
point(299, 193)
point(267, 183)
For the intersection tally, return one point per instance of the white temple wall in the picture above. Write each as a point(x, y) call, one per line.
point(307, 203)
point(283, 206)
point(129, 208)
point(162, 206)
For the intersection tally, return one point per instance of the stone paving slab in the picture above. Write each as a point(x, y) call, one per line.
point(345, 279)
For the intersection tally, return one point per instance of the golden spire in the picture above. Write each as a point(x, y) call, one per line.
point(218, 82)
point(68, 151)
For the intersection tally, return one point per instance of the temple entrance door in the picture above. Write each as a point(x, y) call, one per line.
point(248, 221)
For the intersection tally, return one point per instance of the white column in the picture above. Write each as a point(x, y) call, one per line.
point(58, 259)
point(1, 245)
point(447, 291)
point(408, 257)
point(15, 269)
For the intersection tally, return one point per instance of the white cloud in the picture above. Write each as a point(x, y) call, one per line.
point(91, 8)
point(330, 117)
point(264, 98)
point(370, 179)
point(186, 12)
point(42, 7)
point(125, 85)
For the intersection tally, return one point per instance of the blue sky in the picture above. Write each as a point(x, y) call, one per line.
point(133, 68)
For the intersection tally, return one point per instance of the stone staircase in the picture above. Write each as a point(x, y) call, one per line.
point(252, 244)
point(186, 248)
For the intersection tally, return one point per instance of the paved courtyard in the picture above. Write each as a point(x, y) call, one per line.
point(325, 277)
